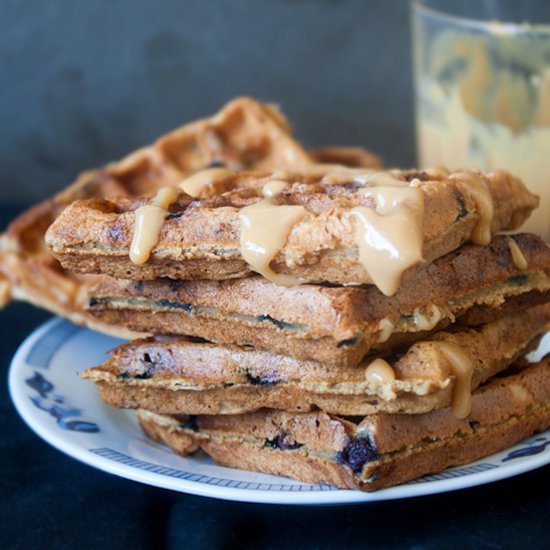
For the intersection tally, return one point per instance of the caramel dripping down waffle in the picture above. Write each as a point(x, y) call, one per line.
point(201, 238)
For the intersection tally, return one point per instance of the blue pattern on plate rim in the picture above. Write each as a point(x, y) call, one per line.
point(133, 462)
point(52, 403)
point(456, 472)
point(127, 460)
point(530, 448)
point(43, 350)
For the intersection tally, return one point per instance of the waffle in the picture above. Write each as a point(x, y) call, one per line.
point(349, 351)
point(337, 326)
point(244, 134)
point(176, 375)
point(200, 239)
point(368, 453)
point(355, 157)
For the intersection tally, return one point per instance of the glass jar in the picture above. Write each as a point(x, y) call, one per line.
point(482, 83)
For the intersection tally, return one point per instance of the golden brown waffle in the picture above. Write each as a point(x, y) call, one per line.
point(356, 157)
point(369, 453)
point(200, 239)
point(334, 325)
point(172, 376)
point(244, 134)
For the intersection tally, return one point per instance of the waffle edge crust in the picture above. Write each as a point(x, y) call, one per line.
point(201, 238)
point(337, 326)
point(172, 376)
point(376, 452)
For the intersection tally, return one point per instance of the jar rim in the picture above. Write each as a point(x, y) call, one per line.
point(494, 26)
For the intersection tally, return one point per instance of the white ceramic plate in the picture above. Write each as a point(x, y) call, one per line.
point(68, 413)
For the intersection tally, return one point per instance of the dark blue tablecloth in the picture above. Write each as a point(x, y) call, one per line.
point(49, 500)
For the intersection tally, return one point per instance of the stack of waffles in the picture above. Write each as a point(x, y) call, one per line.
point(338, 325)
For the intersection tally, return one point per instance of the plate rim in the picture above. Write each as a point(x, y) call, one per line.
point(235, 494)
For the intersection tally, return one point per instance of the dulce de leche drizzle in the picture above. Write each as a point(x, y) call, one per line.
point(202, 185)
point(327, 174)
point(427, 320)
point(389, 236)
point(477, 189)
point(517, 255)
point(385, 329)
point(149, 220)
point(380, 372)
point(338, 174)
point(343, 175)
point(265, 227)
point(462, 368)
point(273, 188)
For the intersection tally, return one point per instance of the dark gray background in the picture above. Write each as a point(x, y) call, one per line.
point(84, 82)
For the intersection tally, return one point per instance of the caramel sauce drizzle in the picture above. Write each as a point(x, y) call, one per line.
point(273, 188)
point(462, 367)
point(328, 174)
point(427, 321)
point(374, 178)
point(343, 175)
point(389, 236)
point(148, 222)
point(380, 372)
point(517, 255)
point(480, 194)
point(314, 170)
point(202, 184)
point(265, 227)
point(337, 174)
point(385, 328)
